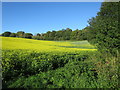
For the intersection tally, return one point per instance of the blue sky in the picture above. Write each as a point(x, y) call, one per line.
point(40, 17)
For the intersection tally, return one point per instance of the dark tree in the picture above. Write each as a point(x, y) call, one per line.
point(38, 34)
point(20, 34)
point(13, 35)
point(74, 35)
point(28, 35)
point(67, 34)
point(104, 28)
point(6, 34)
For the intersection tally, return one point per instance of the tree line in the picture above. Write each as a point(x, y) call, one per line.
point(20, 34)
point(64, 34)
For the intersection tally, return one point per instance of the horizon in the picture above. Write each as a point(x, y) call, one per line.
point(40, 17)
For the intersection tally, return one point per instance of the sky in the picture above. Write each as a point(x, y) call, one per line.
point(40, 17)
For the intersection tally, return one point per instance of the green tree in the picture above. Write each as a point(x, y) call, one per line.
point(20, 34)
point(104, 30)
point(28, 35)
point(74, 35)
point(13, 35)
point(52, 35)
point(67, 34)
point(38, 34)
point(6, 34)
point(79, 35)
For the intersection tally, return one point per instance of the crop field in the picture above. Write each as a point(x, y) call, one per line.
point(9, 43)
point(28, 63)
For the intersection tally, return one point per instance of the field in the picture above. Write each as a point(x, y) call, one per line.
point(28, 63)
point(45, 46)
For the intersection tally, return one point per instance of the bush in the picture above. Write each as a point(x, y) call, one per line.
point(30, 69)
point(17, 63)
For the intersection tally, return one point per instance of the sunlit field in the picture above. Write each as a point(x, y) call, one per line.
point(29, 63)
point(9, 43)
point(61, 45)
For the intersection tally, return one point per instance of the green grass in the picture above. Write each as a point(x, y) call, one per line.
point(79, 44)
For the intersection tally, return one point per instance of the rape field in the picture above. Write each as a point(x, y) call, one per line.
point(28, 63)
point(9, 43)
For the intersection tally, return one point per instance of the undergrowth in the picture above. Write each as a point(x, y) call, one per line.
point(29, 69)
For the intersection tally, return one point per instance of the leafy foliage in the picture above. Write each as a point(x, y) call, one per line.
point(20, 34)
point(13, 35)
point(30, 69)
point(64, 34)
point(6, 34)
point(103, 29)
point(28, 35)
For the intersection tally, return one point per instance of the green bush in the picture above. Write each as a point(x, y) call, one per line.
point(17, 63)
point(29, 69)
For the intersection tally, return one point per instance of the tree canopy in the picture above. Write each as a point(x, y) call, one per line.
point(103, 29)
point(6, 34)
point(64, 34)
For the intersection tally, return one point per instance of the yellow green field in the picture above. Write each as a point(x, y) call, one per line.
point(29, 63)
point(10, 43)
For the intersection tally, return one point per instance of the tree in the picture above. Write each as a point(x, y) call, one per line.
point(20, 34)
point(28, 35)
point(13, 35)
point(104, 30)
point(74, 35)
point(38, 34)
point(67, 34)
point(79, 35)
point(6, 34)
